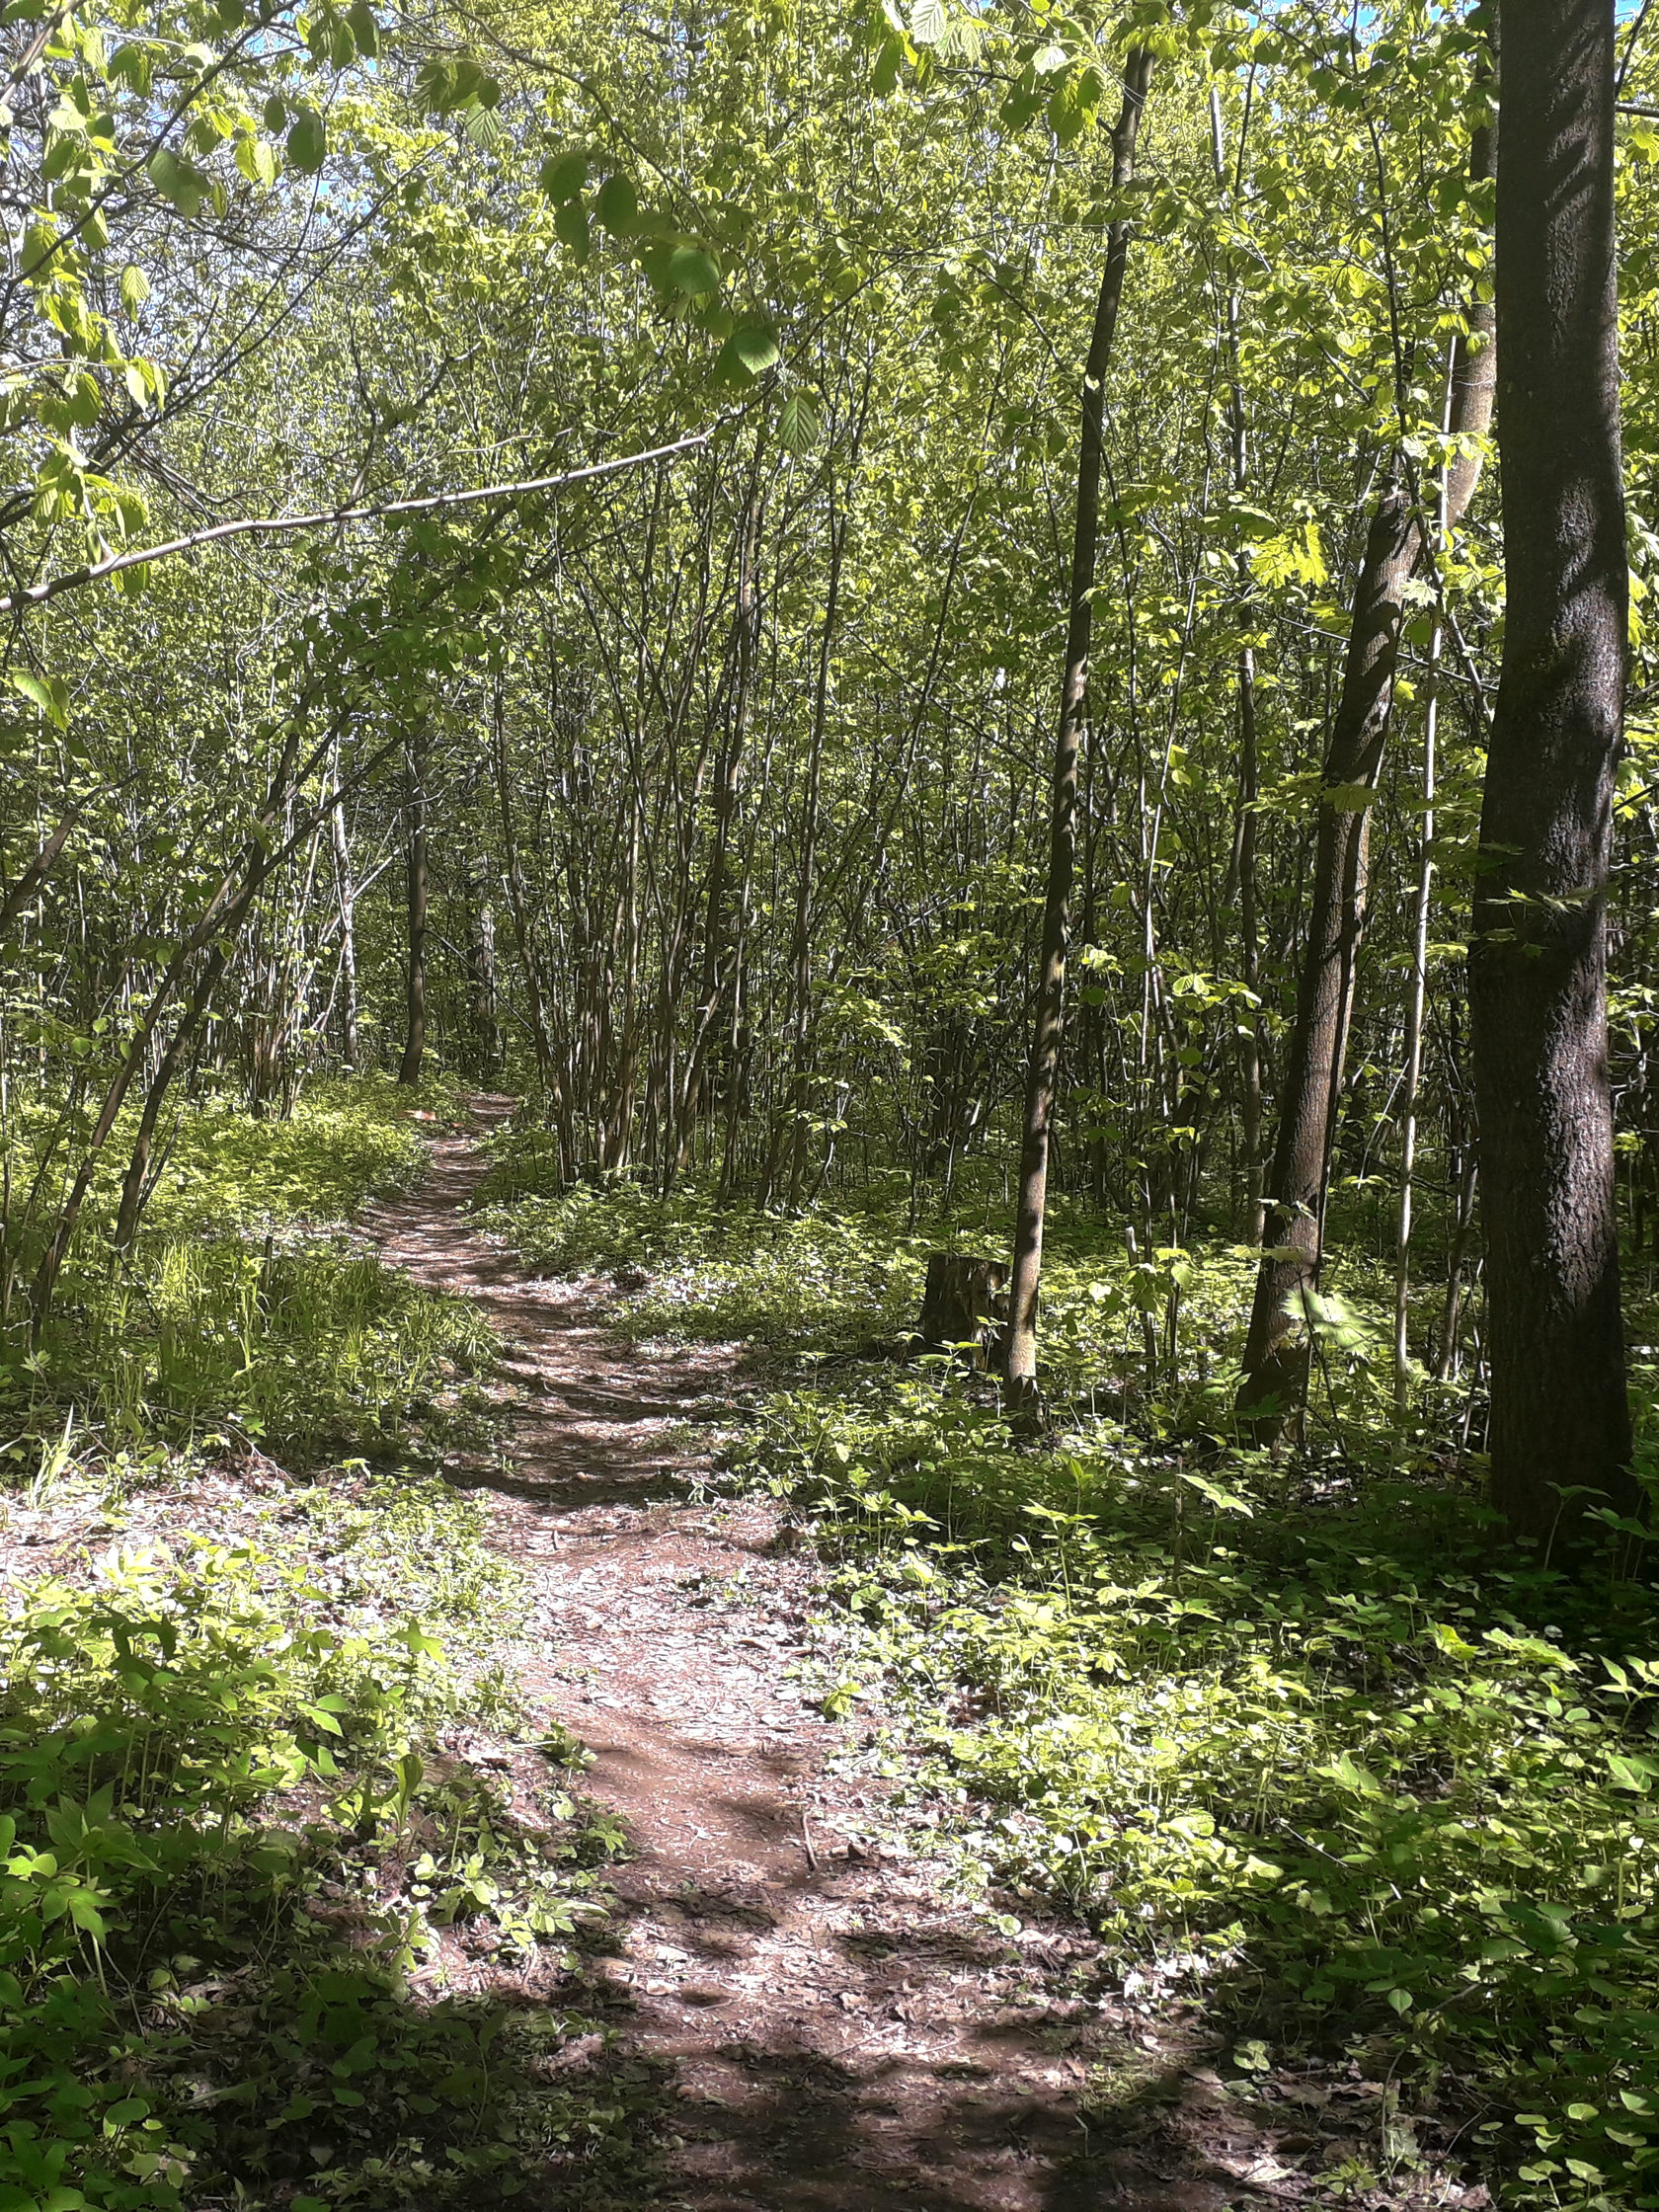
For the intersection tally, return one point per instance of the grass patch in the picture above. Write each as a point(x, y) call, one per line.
point(349, 1139)
point(244, 1309)
point(815, 1282)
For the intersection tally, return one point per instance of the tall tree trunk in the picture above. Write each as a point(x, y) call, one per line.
point(1537, 962)
point(1249, 1019)
point(481, 973)
point(554, 1086)
point(800, 951)
point(346, 892)
point(414, 1021)
point(1242, 872)
point(1050, 1023)
point(1276, 1350)
point(716, 981)
point(1468, 413)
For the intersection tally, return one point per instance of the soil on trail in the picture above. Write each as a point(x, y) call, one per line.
point(833, 2031)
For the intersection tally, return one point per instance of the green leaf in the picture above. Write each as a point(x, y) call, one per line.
point(257, 161)
point(365, 30)
point(692, 271)
point(49, 693)
point(1627, 1774)
point(616, 203)
point(927, 22)
point(1347, 1771)
point(307, 142)
point(1193, 1825)
point(757, 347)
point(134, 288)
point(570, 228)
point(484, 127)
point(435, 86)
point(131, 65)
point(798, 425)
point(1348, 798)
point(179, 183)
point(749, 352)
point(563, 177)
point(443, 86)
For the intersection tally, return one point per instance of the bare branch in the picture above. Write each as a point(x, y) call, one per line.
point(271, 525)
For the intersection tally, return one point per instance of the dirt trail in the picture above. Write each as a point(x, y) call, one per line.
point(840, 2034)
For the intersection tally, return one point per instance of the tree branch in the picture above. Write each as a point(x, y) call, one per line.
point(271, 525)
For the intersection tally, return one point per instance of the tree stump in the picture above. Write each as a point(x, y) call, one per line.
point(965, 1304)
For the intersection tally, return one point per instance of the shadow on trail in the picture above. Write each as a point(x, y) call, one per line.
point(815, 2026)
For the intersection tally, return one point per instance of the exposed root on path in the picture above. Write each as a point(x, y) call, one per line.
point(833, 2030)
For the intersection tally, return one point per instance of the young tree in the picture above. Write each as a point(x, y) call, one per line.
point(1277, 1349)
point(416, 890)
point(1050, 1023)
point(1560, 1420)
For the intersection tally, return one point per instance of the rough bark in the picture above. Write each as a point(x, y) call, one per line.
point(30, 878)
point(962, 1304)
point(1538, 963)
point(716, 979)
point(1050, 1022)
point(1277, 1348)
point(1250, 1026)
point(481, 973)
point(554, 1088)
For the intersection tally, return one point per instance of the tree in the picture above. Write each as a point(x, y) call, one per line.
point(416, 895)
point(1561, 1425)
point(1279, 1344)
point(1048, 1026)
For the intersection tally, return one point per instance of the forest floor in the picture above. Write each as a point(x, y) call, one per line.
point(827, 2025)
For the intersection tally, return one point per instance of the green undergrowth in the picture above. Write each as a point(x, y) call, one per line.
point(1157, 1328)
point(811, 1282)
point(310, 1349)
point(276, 1932)
point(1302, 1739)
point(239, 1879)
point(1377, 1793)
point(348, 1139)
point(245, 1308)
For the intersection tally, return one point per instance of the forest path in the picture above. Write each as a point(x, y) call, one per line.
point(836, 2033)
